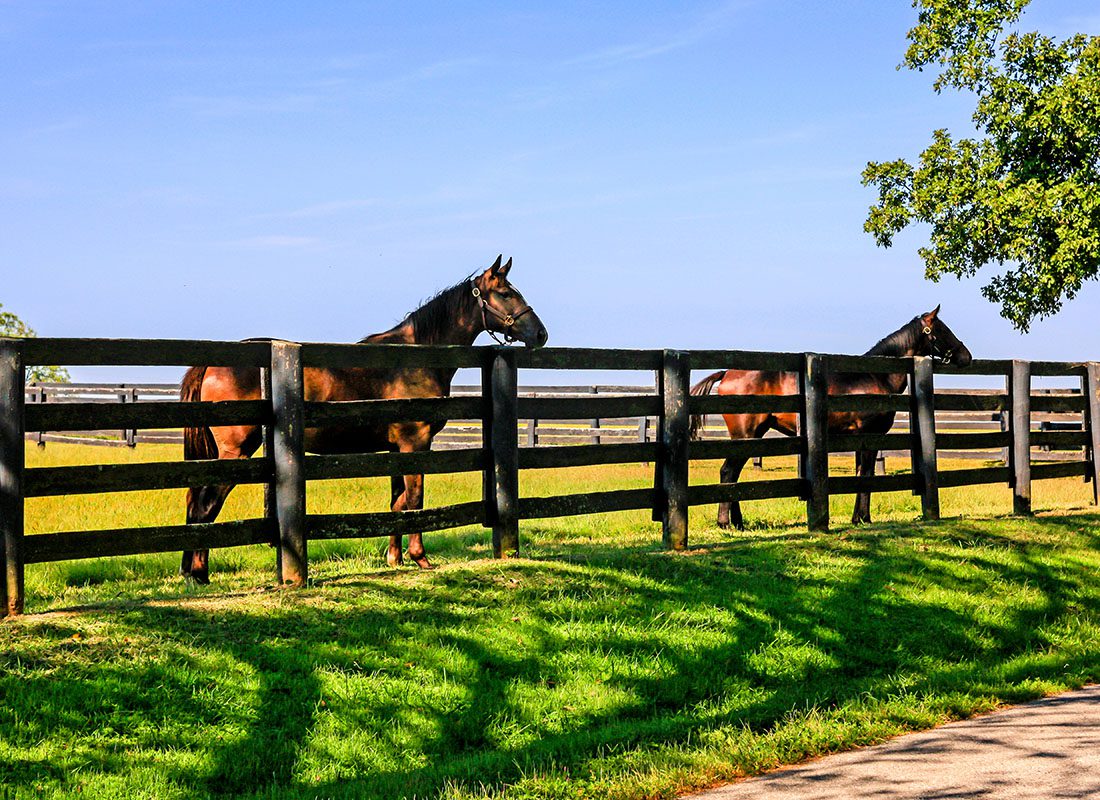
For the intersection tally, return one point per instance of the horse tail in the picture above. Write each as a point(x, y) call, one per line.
point(198, 443)
point(703, 387)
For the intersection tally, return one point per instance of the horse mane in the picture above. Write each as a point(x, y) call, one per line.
point(435, 318)
point(900, 342)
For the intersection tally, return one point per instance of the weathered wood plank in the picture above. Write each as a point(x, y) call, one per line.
point(605, 407)
point(366, 465)
point(587, 358)
point(675, 382)
point(45, 547)
point(956, 401)
point(744, 404)
point(145, 352)
point(388, 356)
point(924, 415)
point(875, 403)
point(745, 359)
point(12, 465)
point(366, 412)
point(153, 415)
point(855, 484)
point(1092, 422)
point(1064, 404)
point(979, 366)
point(815, 427)
point(505, 453)
point(1019, 393)
point(586, 455)
point(1063, 439)
point(973, 441)
point(879, 365)
point(288, 456)
point(852, 442)
point(1063, 469)
point(746, 490)
point(1059, 368)
point(747, 448)
point(98, 478)
point(976, 476)
point(393, 523)
point(591, 503)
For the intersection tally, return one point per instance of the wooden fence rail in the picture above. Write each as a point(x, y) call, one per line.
point(286, 470)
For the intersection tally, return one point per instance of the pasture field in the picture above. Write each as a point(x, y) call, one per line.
point(597, 666)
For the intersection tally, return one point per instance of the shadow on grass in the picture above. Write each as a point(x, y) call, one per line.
point(733, 636)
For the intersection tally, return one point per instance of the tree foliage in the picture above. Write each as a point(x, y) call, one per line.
point(13, 327)
point(1025, 192)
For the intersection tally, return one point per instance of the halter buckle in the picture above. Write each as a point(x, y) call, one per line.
point(477, 292)
point(508, 320)
point(928, 331)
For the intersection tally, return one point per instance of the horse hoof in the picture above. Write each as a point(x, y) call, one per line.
point(394, 559)
point(201, 578)
point(723, 524)
point(421, 561)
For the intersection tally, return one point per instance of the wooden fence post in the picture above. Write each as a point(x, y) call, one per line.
point(1092, 423)
point(1019, 392)
point(505, 453)
point(288, 407)
point(271, 505)
point(815, 428)
point(12, 462)
point(594, 423)
point(675, 432)
point(923, 433)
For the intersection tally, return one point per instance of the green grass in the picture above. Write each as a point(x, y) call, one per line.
point(599, 666)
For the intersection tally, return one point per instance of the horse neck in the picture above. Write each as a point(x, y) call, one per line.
point(450, 318)
point(902, 344)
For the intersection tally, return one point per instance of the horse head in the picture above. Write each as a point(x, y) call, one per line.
point(937, 340)
point(503, 309)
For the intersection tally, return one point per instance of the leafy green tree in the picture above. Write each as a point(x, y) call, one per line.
point(1024, 193)
point(13, 327)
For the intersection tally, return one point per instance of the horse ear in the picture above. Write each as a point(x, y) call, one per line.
point(503, 271)
point(496, 264)
point(931, 315)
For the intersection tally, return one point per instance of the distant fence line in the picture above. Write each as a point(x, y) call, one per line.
point(285, 470)
point(536, 432)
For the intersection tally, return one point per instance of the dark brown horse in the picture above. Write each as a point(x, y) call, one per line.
point(925, 335)
point(482, 302)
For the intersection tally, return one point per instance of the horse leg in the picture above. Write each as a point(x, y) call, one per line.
point(729, 513)
point(393, 553)
point(204, 503)
point(865, 467)
point(414, 501)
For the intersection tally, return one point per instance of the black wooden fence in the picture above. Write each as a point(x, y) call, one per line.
point(285, 469)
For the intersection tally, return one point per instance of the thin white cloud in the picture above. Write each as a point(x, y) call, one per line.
point(319, 210)
point(709, 24)
point(274, 242)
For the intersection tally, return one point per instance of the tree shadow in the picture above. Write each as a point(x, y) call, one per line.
point(772, 634)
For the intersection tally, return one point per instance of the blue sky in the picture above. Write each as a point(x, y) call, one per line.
point(664, 175)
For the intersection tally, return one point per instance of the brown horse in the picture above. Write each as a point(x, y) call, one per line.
point(455, 316)
point(925, 335)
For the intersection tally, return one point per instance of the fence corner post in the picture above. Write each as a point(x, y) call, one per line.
point(288, 450)
point(923, 427)
point(12, 463)
point(1019, 394)
point(815, 429)
point(504, 456)
point(675, 433)
point(1092, 424)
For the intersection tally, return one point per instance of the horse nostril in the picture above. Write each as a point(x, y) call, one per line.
point(543, 336)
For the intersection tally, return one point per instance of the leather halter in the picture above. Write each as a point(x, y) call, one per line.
point(930, 332)
point(507, 320)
